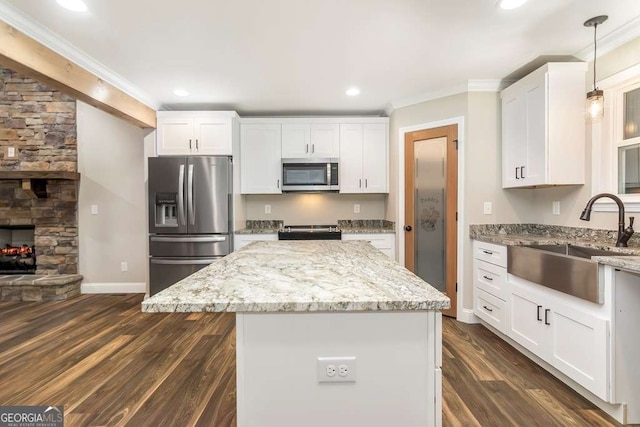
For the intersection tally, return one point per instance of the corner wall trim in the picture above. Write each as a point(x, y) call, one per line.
point(114, 288)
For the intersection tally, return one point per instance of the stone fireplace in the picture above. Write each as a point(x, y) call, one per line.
point(38, 179)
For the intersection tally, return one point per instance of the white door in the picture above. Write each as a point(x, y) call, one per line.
point(212, 136)
point(579, 344)
point(350, 167)
point(261, 165)
point(325, 140)
point(374, 158)
point(513, 124)
point(526, 323)
point(534, 172)
point(175, 136)
point(296, 141)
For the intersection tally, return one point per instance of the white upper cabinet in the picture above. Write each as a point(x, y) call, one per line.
point(364, 151)
point(195, 133)
point(543, 127)
point(260, 159)
point(301, 141)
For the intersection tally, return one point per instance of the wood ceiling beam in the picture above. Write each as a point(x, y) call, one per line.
point(22, 54)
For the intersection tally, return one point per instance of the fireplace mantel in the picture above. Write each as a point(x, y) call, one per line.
point(72, 176)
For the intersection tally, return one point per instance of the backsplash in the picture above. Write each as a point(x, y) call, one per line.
point(366, 223)
point(264, 224)
point(550, 231)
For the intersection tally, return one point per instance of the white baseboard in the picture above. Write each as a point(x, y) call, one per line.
point(114, 288)
point(466, 316)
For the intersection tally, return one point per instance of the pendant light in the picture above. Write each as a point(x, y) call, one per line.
point(595, 98)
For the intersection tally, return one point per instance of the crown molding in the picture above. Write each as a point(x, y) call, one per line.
point(27, 25)
point(487, 85)
point(429, 96)
point(611, 41)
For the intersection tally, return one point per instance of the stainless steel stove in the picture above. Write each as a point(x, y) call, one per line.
point(310, 232)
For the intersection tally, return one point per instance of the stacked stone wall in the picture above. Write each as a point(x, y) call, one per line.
point(40, 123)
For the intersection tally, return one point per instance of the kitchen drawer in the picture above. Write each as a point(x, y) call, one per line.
point(490, 309)
point(490, 278)
point(491, 253)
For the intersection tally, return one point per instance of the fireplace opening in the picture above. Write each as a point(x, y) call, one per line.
point(17, 250)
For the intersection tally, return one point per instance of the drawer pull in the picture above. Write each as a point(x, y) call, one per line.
point(538, 315)
point(546, 316)
point(488, 252)
point(487, 308)
point(488, 278)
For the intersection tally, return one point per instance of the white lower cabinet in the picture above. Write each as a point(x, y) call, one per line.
point(385, 242)
point(571, 339)
point(242, 240)
point(490, 309)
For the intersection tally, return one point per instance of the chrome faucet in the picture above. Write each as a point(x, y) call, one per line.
point(623, 234)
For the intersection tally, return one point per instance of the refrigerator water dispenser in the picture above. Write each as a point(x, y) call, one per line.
point(166, 210)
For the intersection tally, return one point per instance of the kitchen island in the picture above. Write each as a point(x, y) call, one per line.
point(300, 302)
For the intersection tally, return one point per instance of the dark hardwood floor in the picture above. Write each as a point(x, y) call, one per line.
point(109, 364)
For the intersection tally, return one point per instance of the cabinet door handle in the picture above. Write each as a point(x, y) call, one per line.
point(487, 308)
point(306, 150)
point(522, 172)
point(189, 144)
point(278, 183)
point(538, 314)
point(366, 183)
point(546, 316)
point(488, 252)
point(360, 183)
point(196, 145)
point(488, 278)
point(313, 148)
point(517, 173)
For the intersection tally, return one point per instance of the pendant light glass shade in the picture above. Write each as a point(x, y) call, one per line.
point(595, 98)
point(595, 104)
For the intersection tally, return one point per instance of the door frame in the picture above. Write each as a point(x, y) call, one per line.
point(463, 314)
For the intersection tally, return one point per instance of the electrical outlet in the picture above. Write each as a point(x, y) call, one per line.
point(336, 369)
point(356, 208)
point(124, 266)
point(488, 208)
point(555, 208)
point(267, 209)
point(10, 152)
point(94, 209)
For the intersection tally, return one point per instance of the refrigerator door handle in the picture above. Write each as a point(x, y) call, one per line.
point(192, 196)
point(183, 261)
point(198, 239)
point(181, 219)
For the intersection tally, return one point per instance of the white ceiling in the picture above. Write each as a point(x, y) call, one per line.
point(299, 56)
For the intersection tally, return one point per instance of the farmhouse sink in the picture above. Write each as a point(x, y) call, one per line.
point(565, 268)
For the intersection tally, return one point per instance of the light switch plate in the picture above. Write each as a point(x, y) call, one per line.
point(555, 208)
point(356, 208)
point(10, 152)
point(267, 209)
point(94, 209)
point(488, 208)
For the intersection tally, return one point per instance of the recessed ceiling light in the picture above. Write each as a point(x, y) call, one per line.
point(181, 92)
point(73, 5)
point(511, 4)
point(354, 91)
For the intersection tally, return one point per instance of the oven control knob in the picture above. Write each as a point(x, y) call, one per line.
point(408, 228)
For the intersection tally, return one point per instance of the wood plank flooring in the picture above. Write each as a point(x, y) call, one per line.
point(111, 365)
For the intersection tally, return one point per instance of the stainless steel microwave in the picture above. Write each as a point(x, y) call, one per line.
point(310, 175)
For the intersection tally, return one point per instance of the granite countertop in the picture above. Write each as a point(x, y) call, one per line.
point(300, 276)
point(625, 258)
point(366, 226)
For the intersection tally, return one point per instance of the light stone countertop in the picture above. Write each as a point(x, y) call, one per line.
point(300, 276)
point(631, 263)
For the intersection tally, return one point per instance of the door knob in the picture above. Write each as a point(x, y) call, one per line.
point(408, 228)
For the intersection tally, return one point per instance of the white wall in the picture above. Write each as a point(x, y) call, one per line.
point(320, 208)
point(111, 162)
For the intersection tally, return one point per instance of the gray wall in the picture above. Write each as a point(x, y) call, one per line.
point(111, 163)
point(303, 209)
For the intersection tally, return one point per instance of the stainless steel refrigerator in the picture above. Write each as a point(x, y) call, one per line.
point(190, 214)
